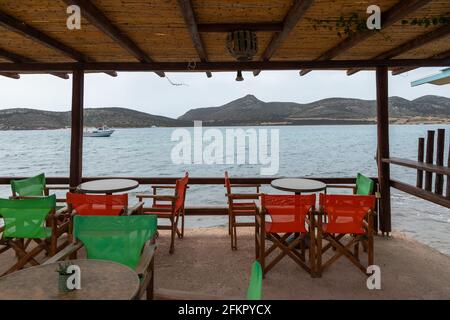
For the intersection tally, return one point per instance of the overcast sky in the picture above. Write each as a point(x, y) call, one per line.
point(149, 93)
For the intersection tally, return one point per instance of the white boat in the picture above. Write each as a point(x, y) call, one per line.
point(99, 132)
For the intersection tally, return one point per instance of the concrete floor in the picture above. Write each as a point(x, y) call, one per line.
point(204, 265)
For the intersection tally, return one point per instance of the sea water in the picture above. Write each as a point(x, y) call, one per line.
point(307, 151)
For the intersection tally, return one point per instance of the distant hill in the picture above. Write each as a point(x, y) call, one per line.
point(250, 110)
point(30, 119)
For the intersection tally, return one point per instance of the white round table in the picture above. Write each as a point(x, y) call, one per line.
point(298, 186)
point(107, 186)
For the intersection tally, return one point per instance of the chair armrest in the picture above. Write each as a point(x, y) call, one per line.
point(61, 212)
point(163, 187)
point(64, 253)
point(136, 208)
point(146, 258)
point(156, 197)
point(236, 196)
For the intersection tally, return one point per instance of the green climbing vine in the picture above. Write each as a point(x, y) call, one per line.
point(345, 26)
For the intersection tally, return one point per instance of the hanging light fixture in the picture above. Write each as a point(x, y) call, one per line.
point(242, 44)
point(239, 76)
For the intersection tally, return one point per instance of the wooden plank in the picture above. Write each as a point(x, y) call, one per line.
point(191, 23)
point(298, 10)
point(439, 181)
point(11, 75)
point(15, 25)
point(421, 193)
point(420, 158)
point(418, 165)
point(17, 58)
point(218, 66)
point(400, 10)
point(448, 176)
point(400, 70)
point(429, 159)
point(229, 27)
point(192, 180)
point(383, 148)
point(410, 45)
point(76, 145)
point(96, 17)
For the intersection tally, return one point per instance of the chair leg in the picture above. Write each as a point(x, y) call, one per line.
point(182, 222)
point(229, 222)
point(356, 250)
point(172, 236)
point(319, 253)
point(150, 286)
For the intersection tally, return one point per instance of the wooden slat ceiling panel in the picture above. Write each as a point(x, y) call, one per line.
point(307, 43)
point(428, 50)
point(18, 44)
point(158, 27)
point(49, 16)
point(220, 11)
point(398, 33)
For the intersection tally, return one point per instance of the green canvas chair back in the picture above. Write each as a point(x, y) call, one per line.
point(364, 185)
point(115, 238)
point(31, 187)
point(26, 218)
point(254, 291)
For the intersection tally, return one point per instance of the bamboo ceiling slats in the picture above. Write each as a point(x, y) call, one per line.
point(159, 29)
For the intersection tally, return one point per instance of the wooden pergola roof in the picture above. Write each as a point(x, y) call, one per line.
point(170, 35)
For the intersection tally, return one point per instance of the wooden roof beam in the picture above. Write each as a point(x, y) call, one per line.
point(34, 34)
point(10, 75)
point(231, 66)
point(410, 45)
point(294, 15)
point(229, 27)
point(388, 18)
point(17, 58)
point(97, 18)
point(191, 23)
point(400, 70)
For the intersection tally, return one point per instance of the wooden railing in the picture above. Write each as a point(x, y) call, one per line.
point(427, 168)
point(191, 210)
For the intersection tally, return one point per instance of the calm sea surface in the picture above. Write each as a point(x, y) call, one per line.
point(309, 151)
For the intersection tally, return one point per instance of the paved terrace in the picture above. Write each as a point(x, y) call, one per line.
point(204, 265)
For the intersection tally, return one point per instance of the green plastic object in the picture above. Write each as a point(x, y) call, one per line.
point(364, 185)
point(31, 187)
point(26, 218)
point(254, 291)
point(115, 238)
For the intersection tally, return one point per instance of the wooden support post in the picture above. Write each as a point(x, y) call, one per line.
point(448, 177)
point(429, 159)
point(76, 146)
point(439, 183)
point(383, 148)
point(420, 158)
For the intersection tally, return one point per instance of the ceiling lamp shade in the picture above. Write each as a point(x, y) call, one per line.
point(242, 44)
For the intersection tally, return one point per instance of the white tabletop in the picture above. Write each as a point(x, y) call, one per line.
point(298, 185)
point(108, 186)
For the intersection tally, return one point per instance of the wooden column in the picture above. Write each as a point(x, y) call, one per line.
point(420, 158)
point(439, 182)
point(76, 145)
point(383, 148)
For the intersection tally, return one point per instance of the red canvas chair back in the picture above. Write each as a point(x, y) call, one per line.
point(180, 192)
point(287, 212)
point(345, 213)
point(97, 205)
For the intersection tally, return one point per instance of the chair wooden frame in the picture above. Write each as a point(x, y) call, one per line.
point(167, 210)
point(236, 208)
point(59, 222)
point(287, 243)
point(21, 245)
point(145, 268)
point(344, 249)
